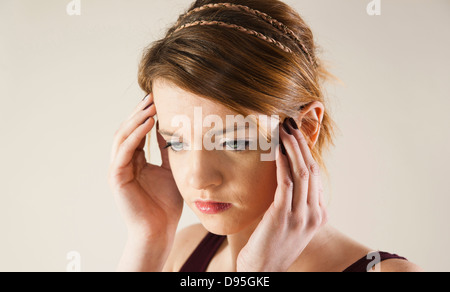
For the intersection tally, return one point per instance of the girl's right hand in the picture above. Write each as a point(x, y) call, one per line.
point(146, 194)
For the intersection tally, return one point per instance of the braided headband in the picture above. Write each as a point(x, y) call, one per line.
point(237, 27)
point(267, 18)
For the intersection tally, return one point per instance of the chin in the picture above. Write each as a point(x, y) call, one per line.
point(220, 227)
point(222, 224)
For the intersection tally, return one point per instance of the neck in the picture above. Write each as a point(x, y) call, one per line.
point(238, 240)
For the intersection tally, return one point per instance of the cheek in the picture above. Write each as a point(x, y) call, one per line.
point(261, 184)
point(178, 172)
point(253, 182)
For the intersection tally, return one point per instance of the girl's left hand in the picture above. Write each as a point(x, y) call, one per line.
point(297, 213)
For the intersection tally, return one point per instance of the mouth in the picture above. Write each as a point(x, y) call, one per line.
point(211, 208)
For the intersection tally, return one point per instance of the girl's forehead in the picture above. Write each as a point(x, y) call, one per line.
point(178, 108)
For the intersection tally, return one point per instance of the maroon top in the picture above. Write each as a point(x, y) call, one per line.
point(205, 251)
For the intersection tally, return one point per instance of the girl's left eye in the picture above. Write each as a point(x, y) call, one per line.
point(237, 145)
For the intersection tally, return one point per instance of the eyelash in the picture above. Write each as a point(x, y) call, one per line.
point(247, 143)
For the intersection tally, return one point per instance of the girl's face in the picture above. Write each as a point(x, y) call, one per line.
point(227, 189)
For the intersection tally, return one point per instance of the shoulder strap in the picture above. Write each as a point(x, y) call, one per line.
point(203, 254)
point(361, 264)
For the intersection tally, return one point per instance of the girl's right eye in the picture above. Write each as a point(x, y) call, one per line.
point(174, 146)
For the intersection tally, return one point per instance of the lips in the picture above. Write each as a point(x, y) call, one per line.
point(210, 207)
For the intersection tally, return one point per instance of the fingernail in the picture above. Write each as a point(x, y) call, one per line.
point(283, 150)
point(148, 106)
point(145, 98)
point(293, 123)
point(286, 127)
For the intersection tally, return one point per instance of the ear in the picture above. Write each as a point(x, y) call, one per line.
point(310, 119)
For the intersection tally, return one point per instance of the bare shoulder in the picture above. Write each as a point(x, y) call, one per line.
point(398, 265)
point(186, 240)
point(354, 251)
point(336, 252)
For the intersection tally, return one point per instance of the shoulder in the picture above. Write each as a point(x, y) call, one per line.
point(339, 252)
point(397, 265)
point(354, 250)
point(186, 240)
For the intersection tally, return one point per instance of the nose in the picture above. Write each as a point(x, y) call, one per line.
point(205, 172)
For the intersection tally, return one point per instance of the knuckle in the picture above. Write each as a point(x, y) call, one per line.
point(287, 182)
point(298, 220)
point(315, 219)
point(302, 173)
point(295, 222)
point(315, 169)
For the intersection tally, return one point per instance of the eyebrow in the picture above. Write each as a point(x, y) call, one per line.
point(216, 133)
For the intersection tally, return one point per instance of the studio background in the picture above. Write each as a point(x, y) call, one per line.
point(68, 82)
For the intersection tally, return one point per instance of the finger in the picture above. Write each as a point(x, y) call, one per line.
point(128, 147)
point(299, 170)
point(142, 144)
point(139, 160)
point(311, 164)
point(143, 104)
point(283, 195)
point(124, 129)
point(129, 126)
point(321, 195)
